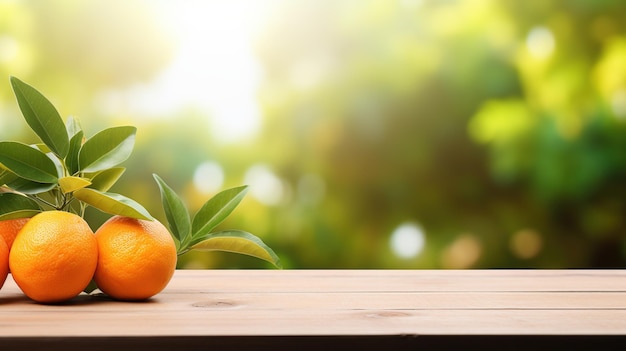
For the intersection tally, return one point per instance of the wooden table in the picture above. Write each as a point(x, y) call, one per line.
point(314, 309)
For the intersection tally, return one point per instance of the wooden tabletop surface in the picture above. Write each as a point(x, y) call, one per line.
point(264, 308)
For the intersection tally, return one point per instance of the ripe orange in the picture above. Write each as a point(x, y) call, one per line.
point(136, 258)
point(4, 262)
point(54, 256)
point(9, 229)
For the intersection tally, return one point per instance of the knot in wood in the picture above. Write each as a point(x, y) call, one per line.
point(220, 304)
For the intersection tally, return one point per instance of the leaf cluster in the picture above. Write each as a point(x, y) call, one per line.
point(197, 233)
point(69, 171)
point(65, 167)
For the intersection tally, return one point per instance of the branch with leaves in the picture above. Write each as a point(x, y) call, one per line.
point(68, 171)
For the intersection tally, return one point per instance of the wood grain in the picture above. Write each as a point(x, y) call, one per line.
point(258, 306)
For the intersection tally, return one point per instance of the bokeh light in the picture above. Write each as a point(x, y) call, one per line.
point(462, 253)
point(208, 177)
point(540, 42)
point(265, 185)
point(407, 240)
point(526, 243)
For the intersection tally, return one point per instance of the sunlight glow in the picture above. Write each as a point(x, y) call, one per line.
point(8, 49)
point(214, 70)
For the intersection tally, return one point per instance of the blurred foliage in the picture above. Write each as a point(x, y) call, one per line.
point(495, 127)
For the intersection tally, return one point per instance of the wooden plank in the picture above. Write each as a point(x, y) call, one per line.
point(148, 322)
point(334, 304)
point(351, 301)
point(406, 280)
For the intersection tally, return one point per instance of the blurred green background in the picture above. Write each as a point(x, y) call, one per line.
point(373, 134)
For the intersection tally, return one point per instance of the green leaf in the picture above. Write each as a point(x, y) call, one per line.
point(237, 241)
point(42, 147)
point(214, 211)
point(25, 186)
point(175, 211)
point(28, 162)
point(107, 149)
point(6, 176)
point(104, 180)
point(51, 155)
point(71, 161)
point(17, 206)
point(70, 184)
point(115, 204)
point(57, 164)
point(72, 125)
point(42, 117)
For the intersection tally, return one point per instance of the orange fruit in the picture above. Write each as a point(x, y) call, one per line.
point(4, 262)
point(9, 229)
point(54, 256)
point(136, 258)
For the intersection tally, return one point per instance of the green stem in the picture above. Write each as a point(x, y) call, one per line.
point(40, 200)
point(66, 202)
point(182, 251)
point(59, 198)
point(184, 245)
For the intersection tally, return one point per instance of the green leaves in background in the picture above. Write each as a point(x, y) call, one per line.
point(198, 235)
point(42, 117)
